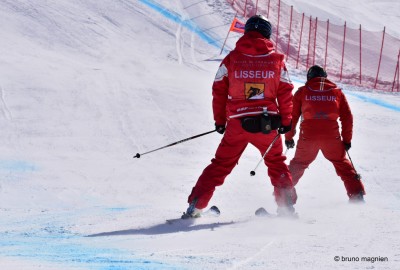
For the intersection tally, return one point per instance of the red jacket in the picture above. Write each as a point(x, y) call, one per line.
point(251, 77)
point(321, 103)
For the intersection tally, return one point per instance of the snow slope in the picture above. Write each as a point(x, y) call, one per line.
point(85, 85)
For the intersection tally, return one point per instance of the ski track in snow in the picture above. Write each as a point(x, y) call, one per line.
point(241, 264)
point(192, 49)
point(179, 45)
point(6, 111)
point(165, 12)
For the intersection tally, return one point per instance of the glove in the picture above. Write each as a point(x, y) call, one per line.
point(347, 146)
point(289, 143)
point(284, 129)
point(220, 128)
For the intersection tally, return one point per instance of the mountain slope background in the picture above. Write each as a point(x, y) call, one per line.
point(85, 85)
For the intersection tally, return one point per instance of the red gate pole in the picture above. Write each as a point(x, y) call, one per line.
point(245, 8)
point(233, 5)
point(227, 35)
point(256, 7)
point(396, 73)
point(301, 34)
point(268, 9)
point(380, 57)
point(326, 45)
point(344, 41)
point(290, 30)
point(277, 27)
point(360, 52)
point(309, 41)
point(315, 38)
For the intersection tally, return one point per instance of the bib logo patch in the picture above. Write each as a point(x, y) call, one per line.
point(254, 90)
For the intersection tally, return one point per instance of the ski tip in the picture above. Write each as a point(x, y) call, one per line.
point(262, 212)
point(215, 210)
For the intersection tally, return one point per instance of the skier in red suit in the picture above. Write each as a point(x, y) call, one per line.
point(321, 103)
point(251, 81)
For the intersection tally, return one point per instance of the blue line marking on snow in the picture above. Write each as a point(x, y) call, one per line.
point(46, 238)
point(365, 98)
point(17, 166)
point(374, 101)
point(178, 19)
point(72, 250)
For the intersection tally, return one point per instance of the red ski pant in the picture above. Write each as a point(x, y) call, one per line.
point(227, 155)
point(333, 150)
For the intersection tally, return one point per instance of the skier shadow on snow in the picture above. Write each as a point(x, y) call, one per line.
point(174, 226)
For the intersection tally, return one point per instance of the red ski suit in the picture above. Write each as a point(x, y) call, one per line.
point(321, 104)
point(250, 78)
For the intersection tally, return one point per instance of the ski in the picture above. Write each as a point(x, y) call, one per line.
point(213, 211)
point(263, 213)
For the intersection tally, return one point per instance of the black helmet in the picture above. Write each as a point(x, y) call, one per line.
point(316, 71)
point(260, 24)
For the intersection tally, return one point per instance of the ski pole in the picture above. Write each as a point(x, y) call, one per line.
point(181, 141)
point(358, 176)
point(253, 172)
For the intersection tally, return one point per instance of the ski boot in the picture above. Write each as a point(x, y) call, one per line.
point(286, 198)
point(357, 197)
point(192, 211)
